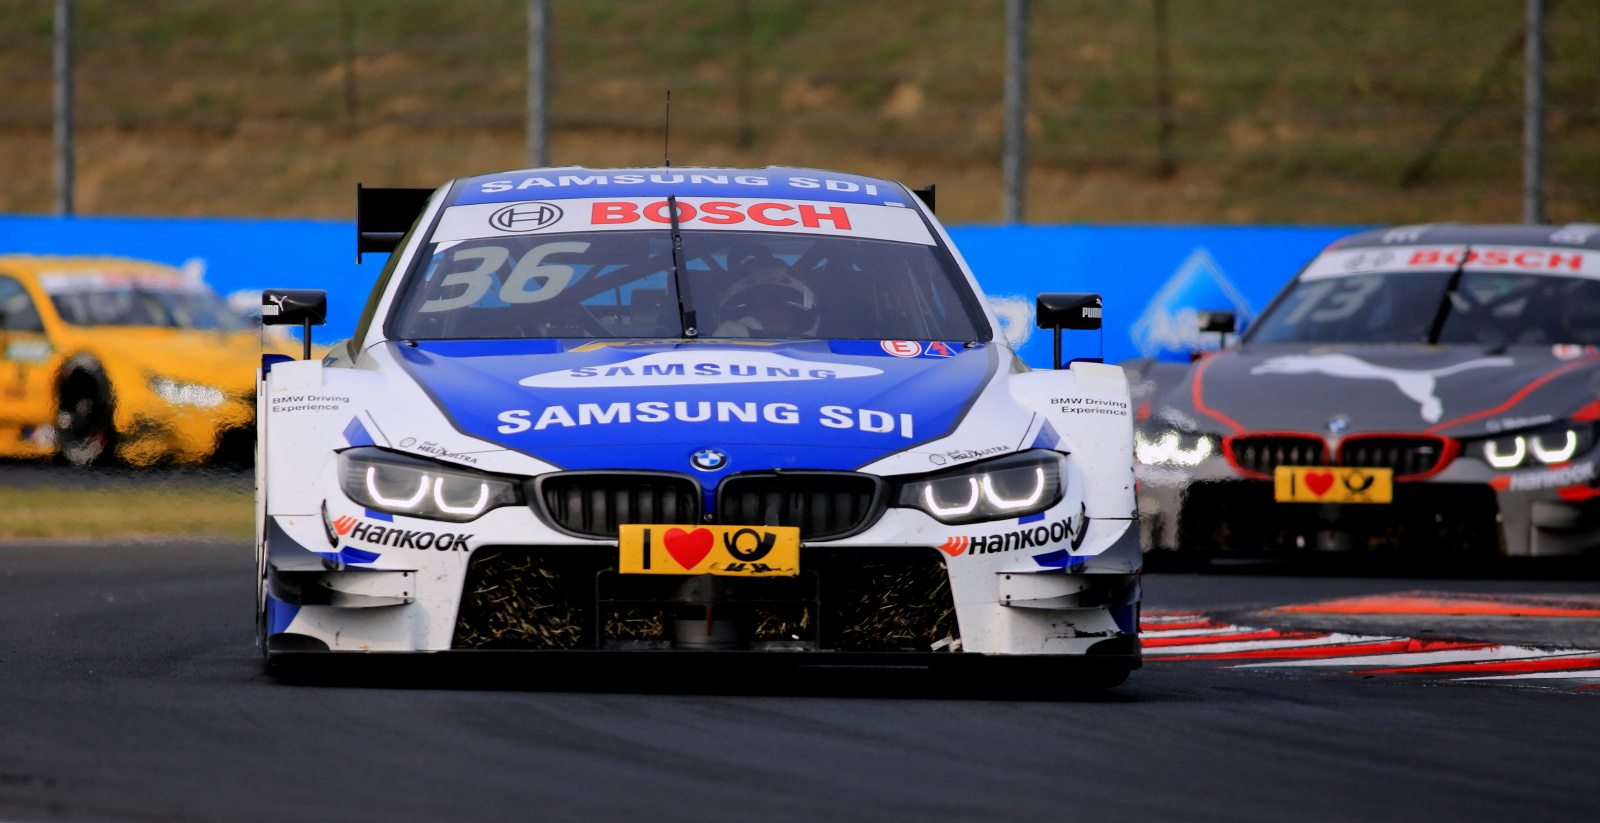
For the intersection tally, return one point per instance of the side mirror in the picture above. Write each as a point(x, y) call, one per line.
point(1069, 310)
point(302, 307)
point(1222, 322)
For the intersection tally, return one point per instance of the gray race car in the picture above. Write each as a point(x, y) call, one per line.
point(1422, 388)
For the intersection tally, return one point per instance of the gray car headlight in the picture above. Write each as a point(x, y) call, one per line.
point(397, 484)
point(1173, 447)
point(1544, 446)
point(1012, 486)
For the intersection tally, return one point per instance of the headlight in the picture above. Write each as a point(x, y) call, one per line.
point(1546, 446)
point(187, 394)
point(1012, 486)
point(394, 483)
point(1172, 447)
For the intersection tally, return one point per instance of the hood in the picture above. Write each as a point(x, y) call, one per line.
point(227, 360)
point(653, 405)
point(1449, 390)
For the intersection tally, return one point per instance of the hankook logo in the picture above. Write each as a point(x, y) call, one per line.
point(526, 217)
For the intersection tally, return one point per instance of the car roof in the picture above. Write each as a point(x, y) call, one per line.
point(726, 170)
point(576, 182)
point(81, 265)
point(1570, 236)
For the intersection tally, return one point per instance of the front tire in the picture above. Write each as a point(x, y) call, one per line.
point(85, 434)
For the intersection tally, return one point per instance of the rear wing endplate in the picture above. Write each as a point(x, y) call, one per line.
point(383, 216)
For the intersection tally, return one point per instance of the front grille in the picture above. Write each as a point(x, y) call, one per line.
point(824, 505)
point(593, 504)
point(517, 598)
point(1261, 454)
point(1408, 456)
point(1240, 517)
point(855, 599)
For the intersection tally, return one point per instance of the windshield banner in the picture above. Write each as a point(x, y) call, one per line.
point(1518, 259)
point(894, 223)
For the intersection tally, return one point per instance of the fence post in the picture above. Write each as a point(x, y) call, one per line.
point(538, 145)
point(747, 132)
point(1014, 157)
point(1533, 117)
point(347, 36)
point(1166, 164)
point(63, 108)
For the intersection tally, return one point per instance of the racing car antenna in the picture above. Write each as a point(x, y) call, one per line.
point(666, 138)
point(685, 305)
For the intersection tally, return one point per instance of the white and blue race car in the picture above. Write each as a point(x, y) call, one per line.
point(669, 410)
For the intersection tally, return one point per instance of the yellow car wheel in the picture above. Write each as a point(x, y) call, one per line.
point(84, 428)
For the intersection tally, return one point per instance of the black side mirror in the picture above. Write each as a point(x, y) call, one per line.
point(1222, 322)
point(302, 307)
point(1069, 310)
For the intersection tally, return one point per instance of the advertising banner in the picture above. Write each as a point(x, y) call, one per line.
point(1154, 278)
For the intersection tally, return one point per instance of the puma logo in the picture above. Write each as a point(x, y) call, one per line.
point(1417, 385)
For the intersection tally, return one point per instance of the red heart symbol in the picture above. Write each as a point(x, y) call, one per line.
point(1319, 482)
point(689, 548)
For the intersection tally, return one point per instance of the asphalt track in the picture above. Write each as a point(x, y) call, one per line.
point(130, 690)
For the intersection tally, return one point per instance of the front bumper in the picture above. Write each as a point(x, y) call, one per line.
point(160, 432)
point(1467, 509)
point(889, 590)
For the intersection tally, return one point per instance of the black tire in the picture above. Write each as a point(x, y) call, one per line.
point(85, 433)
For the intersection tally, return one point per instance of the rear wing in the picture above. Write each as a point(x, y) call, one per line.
point(383, 216)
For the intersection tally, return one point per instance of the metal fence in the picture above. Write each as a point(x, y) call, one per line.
point(1195, 110)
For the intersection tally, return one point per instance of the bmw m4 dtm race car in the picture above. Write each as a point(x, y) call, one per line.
point(1424, 388)
point(675, 410)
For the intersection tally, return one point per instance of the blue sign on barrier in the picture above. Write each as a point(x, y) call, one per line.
point(237, 255)
point(1153, 278)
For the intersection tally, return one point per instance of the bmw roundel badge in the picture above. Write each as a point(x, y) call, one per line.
point(1339, 424)
point(708, 460)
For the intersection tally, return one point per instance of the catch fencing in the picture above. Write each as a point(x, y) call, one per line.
point(1316, 111)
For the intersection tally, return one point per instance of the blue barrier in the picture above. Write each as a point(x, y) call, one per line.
point(1153, 277)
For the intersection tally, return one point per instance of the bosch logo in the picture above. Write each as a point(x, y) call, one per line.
point(708, 460)
point(526, 217)
point(1368, 261)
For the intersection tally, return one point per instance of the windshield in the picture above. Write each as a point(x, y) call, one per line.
point(619, 284)
point(130, 305)
point(1486, 308)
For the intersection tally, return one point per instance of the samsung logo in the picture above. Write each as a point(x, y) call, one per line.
point(685, 368)
point(516, 421)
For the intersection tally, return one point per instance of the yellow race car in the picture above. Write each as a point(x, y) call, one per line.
point(110, 359)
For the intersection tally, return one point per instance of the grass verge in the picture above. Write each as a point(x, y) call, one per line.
point(155, 510)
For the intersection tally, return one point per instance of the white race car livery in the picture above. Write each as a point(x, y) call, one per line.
point(657, 410)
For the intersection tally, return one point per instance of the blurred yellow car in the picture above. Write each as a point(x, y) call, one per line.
point(110, 359)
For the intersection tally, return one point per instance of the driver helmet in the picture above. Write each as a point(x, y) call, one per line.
point(771, 293)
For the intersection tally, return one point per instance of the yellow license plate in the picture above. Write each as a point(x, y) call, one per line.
point(1332, 484)
point(735, 551)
